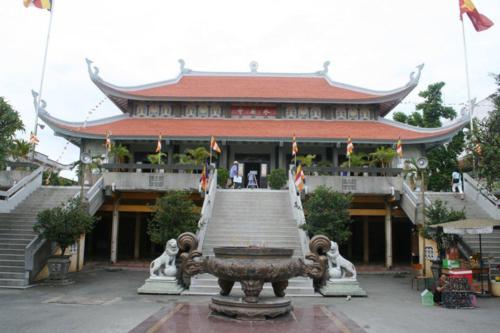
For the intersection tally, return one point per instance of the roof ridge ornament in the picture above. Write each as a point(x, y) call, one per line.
point(324, 71)
point(254, 66)
point(415, 77)
point(43, 104)
point(183, 67)
point(93, 70)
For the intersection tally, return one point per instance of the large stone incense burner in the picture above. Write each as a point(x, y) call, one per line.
point(252, 267)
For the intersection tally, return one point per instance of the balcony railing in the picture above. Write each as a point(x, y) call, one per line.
point(354, 171)
point(139, 167)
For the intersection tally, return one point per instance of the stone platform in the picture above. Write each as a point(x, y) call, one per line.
point(185, 317)
point(342, 287)
point(163, 286)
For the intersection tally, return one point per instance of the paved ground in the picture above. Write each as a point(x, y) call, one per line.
point(105, 301)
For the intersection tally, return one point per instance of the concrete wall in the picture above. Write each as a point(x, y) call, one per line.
point(356, 184)
point(9, 178)
point(129, 181)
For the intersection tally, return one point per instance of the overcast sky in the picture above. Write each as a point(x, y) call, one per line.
point(372, 44)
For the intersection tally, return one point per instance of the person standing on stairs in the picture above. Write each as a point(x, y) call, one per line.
point(233, 173)
point(456, 184)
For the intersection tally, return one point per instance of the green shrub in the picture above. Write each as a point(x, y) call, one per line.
point(65, 224)
point(277, 179)
point(327, 213)
point(222, 176)
point(174, 214)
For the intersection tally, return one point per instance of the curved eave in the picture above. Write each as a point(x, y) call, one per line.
point(319, 131)
point(386, 100)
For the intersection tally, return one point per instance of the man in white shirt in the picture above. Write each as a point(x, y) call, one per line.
point(456, 184)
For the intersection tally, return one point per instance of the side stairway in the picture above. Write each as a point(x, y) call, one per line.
point(490, 242)
point(251, 217)
point(16, 232)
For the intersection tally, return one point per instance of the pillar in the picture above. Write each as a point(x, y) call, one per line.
point(170, 154)
point(137, 235)
point(366, 241)
point(335, 156)
point(223, 162)
point(388, 236)
point(281, 157)
point(114, 232)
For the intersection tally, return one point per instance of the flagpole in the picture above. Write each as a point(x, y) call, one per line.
point(467, 81)
point(44, 65)
point(210, 148)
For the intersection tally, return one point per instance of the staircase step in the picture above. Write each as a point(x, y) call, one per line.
point(10, 262)
point(12, 275)
point(12, 269)
point(12, 283)
point(12, 251)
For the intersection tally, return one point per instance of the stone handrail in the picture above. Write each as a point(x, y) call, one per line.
point(481, 196)
point(12, 197)
point(412, 203)
point(297, 211)
point(95, 196)
point(369, 171)
point(207, 208)
point(35, 256)
point(135, 167)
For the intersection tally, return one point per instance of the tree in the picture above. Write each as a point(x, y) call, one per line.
point(10, 122)
point(222, 177)
point(327, 214)
point(119, 153)
point(277, 179)
point(53, 178)
point(356, 160)
point(486, 143)
point(174, 213)
point(156, 158)
point(382, 157)
point(439, 213)
point(443, 158)
point(64, 224)
point(20, 149)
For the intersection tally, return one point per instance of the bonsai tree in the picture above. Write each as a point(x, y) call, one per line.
point(439, 213)
point(327, 213)
point(64, 224)
point(277, 179)
point(174, 213)
point(222, 177)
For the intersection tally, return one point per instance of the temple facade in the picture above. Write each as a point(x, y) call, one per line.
point(253, 116)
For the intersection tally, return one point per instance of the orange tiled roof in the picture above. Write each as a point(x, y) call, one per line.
point(242, 87)
point(249, 129)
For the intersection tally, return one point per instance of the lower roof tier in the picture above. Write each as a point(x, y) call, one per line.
point(381, 131)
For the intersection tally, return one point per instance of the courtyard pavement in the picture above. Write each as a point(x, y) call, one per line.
point(106, 301)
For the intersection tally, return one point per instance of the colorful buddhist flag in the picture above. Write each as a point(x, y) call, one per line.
point(295, 147)
point(299, 178)
point(350, 147)
point(214, 146)
point(479, 21)
point(399, 148)
point(34, 139)
point(203, 180)
point(42, 4)
point(107, 143)
point(158, 145)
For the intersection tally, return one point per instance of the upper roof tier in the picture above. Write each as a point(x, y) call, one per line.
point(254, 86)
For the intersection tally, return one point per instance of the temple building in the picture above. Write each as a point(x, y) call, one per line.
point(253, 116)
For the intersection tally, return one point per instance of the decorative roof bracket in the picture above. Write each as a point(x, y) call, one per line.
point(43, 104)
point(415, 78)
point(95, 73)
point(183, 67)
point(324, 71)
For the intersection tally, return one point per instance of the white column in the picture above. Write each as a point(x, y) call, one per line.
point(388, 236)
point(137, 235)
point(366, 241)
point(114, 232)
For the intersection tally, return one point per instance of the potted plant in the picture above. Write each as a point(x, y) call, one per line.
point(63, 225)
point(222, 177)
point(277, 179)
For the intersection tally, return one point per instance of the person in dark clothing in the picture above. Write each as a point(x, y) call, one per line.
point(439, 288)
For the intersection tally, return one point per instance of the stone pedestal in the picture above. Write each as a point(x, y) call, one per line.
point(266, 308)
point(342, 287)
point(161, 286)
point(58, 269)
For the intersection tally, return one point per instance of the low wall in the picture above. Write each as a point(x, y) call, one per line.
point(130, 181)
point(9, 178)
point(357, 184)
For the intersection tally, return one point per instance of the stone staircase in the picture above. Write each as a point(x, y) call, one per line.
point(251, 217)
point(16, 232)
point(490, 242)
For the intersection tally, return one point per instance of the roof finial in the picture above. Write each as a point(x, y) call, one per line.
point(254, 65)
point(415, 78)
point(95, 73)
point(182, 64)
point(43, 104)
point(324, 71)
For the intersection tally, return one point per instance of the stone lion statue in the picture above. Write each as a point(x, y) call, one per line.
point(164, 265)
point(338, 266)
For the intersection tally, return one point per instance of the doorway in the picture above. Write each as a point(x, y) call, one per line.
point(252, 162)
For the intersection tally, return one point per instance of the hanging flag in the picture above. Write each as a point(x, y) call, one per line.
point(158, 145)
point(214, 146)
point(107, 144)
point(350, 147)
point(479, 21)
point(42, 4)
point(399, 148)
point(299, 178)
point(295, 147)
point(34, 139)
point(203, 180)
